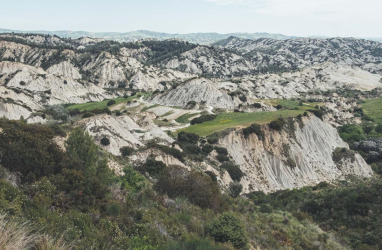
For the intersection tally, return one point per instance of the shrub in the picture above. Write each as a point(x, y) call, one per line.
point(22, 83)
point(378, 128)
point(233, 170)
point(243, 98)
point(279, 106)
point(317, 112)
point(367, 128)
point(188, 137)
point(266, 208)
point(191, 148)
point(253, 129)
point(211, 175)
point(212, 140)
point(341, 153)
point(222, 158)
point(277, 124)
point(221, 150)
point(203, 118)
point(235, 189)
point(257, 105)
point(111, 102)
point(28, 150)
point(228, 228)
point(105, 141)
point(153, 167)
point(126, 151)
point(208, 148)
point(88, 114)
point(199, 189)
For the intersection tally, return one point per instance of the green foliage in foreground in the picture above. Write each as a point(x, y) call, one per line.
point(351, 209)
point(81, 202)
point(228, 228)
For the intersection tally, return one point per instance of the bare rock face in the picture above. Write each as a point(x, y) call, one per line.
point(65, 69)
point(121, 131)
point(290, 160)
point(201, 91)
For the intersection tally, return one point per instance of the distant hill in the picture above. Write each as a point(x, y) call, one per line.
point(199, 38)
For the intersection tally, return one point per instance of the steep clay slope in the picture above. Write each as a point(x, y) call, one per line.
point(198, 90)
point(286, 160)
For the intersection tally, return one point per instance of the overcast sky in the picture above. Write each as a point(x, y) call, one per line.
point(357, 18)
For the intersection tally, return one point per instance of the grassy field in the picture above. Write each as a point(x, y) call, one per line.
point(89, 106)
point(232, 120)
point(373, 109)
point(291, 104)
point(185, 118)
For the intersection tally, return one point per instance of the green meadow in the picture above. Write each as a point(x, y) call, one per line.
point(89, 106)
point(373, 109)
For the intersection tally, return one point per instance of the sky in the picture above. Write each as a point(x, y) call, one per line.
point(355, 18)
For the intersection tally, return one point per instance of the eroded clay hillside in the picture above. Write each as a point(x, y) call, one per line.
point(166, 99)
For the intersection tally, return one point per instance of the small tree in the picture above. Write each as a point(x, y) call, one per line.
point(367, 128)
point(235, 189)
point(111, 102)
point(378, 128)
point(105, 141)
point(228, 228)
point(126, 151)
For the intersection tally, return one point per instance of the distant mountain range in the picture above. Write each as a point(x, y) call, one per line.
point(199, 38)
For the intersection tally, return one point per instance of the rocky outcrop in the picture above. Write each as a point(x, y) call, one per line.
point(201, 91)
point(285, 160)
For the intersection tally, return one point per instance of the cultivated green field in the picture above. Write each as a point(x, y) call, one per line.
point(231, 120)
point(373, 109)
point(89, 106)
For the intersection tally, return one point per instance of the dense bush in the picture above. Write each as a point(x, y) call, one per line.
point(221, 150)
point(111, 102)
point(203, 118)
point(222, 158)
point(213, 140)
point(197, 188)
point(317, 112)
point(28, 150)
point(367, 128)
point(343, 153)
point(105, 141)
point(350, 208)
point(277, 124)
point(126, 151)
point(152, 166)
point(228, 228)
point(233, 170)
point(235, 189)
point(188, 137)
point(378, 128)
point(208, 148)
point(253, 129)
point(351, 133)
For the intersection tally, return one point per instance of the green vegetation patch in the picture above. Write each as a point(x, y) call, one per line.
point(89, 106)
point(231, 120)
point(185, 118)
point(373, 109)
